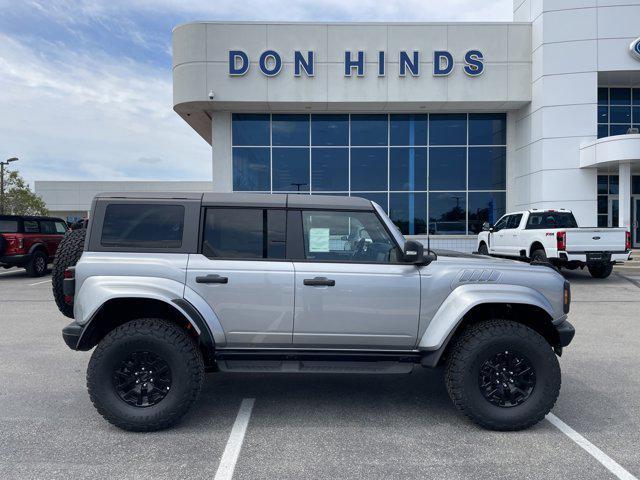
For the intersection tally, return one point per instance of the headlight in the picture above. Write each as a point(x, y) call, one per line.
point(566, 297)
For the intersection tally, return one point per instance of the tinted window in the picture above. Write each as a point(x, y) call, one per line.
point(447, 213)
point(409, 129)
point(244, 233)
point(603, 184)
point(635, 185)
point(603, 96)
point(291, 169)
point(409, 212)
point(31, 226)
point(47, 227)
point(447, 168)
point(251, 169)
point(347, 237)
point(290, 130)
point(620, 114)
point(485, 207)
point(551, 220)
point(487, 168)
point(250, 129)
point(448, 129)
point(143, 226)
point(487, 129)
point(620, 96)
point(369, 130)
point(329, 130)
point(369, 169)
point(502, 223)
point(330, 169)
point(408, 168)
point(514, 221)
point(8, 226)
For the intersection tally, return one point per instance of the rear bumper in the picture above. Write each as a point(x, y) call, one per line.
point(566, 332)
point(71, 335)
point(582, 256)
point(15, 260)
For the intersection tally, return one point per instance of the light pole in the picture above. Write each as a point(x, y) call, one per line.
point(2, 164)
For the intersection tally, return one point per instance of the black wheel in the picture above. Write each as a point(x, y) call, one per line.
point(539, 256)
point(145, 375)
point(600, 270)
point(503, 375)
point(37, 266)
point(482, 249)
point(67, 255)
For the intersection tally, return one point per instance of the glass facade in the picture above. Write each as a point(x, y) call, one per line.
point(442, 173)
point(618, 110)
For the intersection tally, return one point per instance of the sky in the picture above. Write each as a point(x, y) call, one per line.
point(85, 85)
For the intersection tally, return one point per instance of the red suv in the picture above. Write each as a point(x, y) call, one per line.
point(30, 242)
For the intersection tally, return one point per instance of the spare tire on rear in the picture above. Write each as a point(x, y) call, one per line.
point(67, 255)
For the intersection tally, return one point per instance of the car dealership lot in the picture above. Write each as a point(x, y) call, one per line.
point(318, 426)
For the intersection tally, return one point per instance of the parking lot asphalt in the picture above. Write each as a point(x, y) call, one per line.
point(319, 426)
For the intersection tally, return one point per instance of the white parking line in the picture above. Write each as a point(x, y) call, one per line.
point(38, 283)
point(234, 444)
point(591, 449)
point(10, 271)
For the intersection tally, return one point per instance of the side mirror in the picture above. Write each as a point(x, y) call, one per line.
point(413, 252)
point(486, 226)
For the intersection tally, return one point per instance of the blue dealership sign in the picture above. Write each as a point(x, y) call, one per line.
point(634, 49)
point(270, 63)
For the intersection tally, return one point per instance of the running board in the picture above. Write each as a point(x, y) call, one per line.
point(315, 362)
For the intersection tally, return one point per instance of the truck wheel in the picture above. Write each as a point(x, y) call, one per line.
point(600, 270)
point(482, 249)
point(503, 375)
point(539, 256)
point(37, 266)
point(145, 375)
point(67, 255)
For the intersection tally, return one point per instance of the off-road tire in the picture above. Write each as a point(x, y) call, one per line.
point(37, 266)
point(601, 270)
point(164, 339)
point(482, 249)
point(539, 256)
point(478, 343)
point(67, 255)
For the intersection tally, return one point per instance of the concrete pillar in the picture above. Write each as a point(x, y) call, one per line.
point(221, 152)
point(624, 173)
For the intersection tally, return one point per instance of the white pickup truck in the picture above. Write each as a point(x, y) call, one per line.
point(554, 236)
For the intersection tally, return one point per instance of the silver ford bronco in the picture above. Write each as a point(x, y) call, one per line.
point(168, 286)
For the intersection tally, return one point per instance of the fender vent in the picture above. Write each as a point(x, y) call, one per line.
point(478, 276)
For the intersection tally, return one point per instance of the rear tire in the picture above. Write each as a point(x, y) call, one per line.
point(539, 256)
point(482, 249)
point(67, 255)
point(601, 270)
point(37, 266)
point(123, 386)
point(520, 398)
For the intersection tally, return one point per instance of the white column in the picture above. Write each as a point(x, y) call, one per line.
point(221, 152)
point(624, 172)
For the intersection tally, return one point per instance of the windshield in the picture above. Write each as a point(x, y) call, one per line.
point(8, 226)
point(541, 220)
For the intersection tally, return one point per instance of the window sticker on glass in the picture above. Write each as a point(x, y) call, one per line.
point(318, 240)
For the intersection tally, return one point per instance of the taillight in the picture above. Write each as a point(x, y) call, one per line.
point(69, 285)
point(561, 238)
point(566, 297)
point(627, 245)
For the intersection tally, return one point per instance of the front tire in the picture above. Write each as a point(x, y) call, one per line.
point(123, 385)
point(482, 249)
point(600, 270)
point(37, 266)
point(503, 375)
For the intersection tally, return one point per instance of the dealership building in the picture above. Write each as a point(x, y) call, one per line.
point(445, 125)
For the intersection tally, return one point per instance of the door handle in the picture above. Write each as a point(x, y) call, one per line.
point(319, 282)
point(212, 279)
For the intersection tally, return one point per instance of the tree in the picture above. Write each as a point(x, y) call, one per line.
point(18, 197)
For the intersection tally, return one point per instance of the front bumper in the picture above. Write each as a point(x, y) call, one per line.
point(566, 332)
point(15, 260)
point(71, 335)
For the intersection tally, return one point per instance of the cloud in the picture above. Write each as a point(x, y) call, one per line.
point(86, 85)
